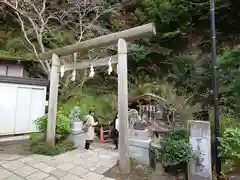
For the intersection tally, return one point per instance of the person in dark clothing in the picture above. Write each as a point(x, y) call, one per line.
point(114, 134)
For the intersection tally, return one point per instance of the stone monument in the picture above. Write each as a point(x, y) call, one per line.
point(200, 140)
point(139, 139)
point(77, 134)
point(133, 117)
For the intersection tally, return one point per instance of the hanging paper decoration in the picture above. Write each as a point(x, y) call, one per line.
point(110, 69)
point(73, 75)
point(91, 74)
point(62, 70)
point(73, 78)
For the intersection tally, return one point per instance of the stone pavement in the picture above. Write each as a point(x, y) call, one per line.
point(73, 165)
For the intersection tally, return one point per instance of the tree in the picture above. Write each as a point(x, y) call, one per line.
point(49, 24)
point(35, 14)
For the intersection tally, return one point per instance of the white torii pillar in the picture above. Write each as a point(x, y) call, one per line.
point(124, 161)
point(52, 102)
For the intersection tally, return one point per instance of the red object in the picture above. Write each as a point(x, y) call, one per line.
point(165, 165)
point(101, 135)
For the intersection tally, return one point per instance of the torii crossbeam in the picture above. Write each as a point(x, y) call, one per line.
point(114, 38)
point(136, 33)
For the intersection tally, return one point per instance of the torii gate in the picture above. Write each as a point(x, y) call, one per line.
point(143, 31)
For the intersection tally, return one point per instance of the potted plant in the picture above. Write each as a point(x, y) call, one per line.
point(175, 152)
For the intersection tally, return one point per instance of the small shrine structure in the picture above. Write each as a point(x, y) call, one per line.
point(152, 109)
point(149, 118)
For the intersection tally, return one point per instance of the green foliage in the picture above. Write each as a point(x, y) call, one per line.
point(228, 122)
point(181, 48)
point(230, 78)
point(178, 134)
point(58, 38)
point(229, 137)
point(230, 145)
point(12, 44)
point(39, 146)
point(105, 105)
point(180, 103)
point(175, 149)
point(62, 125)
point(193, 74)
point(41, 124)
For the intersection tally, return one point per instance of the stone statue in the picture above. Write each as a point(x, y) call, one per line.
point(74, 114)
point(133, 117)
point(135, 121)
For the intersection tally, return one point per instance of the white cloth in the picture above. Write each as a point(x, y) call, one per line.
point(117, 124)
point(90, 134)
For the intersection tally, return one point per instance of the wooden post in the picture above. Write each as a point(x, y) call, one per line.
point(53, 97)
point(124, 161)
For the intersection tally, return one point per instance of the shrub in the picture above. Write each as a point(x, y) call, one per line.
point(226, 121)
point(175, 149)
point(39, 146)
point(63, 127)
point(229, 127)
point(230, 145)
point(178, 134)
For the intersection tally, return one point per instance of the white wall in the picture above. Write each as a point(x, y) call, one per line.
point(3, 69)
point(12, 70)
point(20, 105)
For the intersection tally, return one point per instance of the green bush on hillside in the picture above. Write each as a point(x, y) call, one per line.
point(105, 105)
point(63, 127)
point(230, 145)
